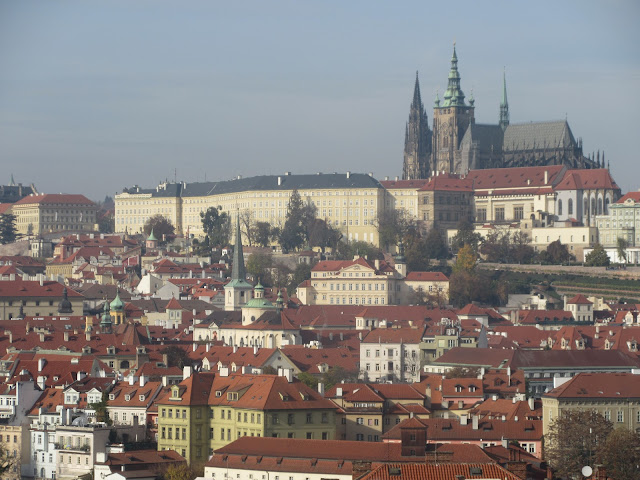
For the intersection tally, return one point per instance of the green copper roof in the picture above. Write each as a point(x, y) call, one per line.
point(259, 303)
point(106, 318)
point(117, 304)
point(152, 237)
point(453, 97)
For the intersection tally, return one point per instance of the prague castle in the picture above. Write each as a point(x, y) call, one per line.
point(458, 144)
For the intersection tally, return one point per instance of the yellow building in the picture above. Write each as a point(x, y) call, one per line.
point(365, 282)
point(38, 214)
point(614, 396)
point(349, 202)
point(206, 411)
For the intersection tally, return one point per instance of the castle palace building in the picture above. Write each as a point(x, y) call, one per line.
point(458, 144)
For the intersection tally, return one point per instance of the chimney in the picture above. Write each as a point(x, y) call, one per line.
point(143, 380)
point(546, 177)
point(194, 346)
point(464, 419)
point(339, 392)
point(474, 422)
point(255, 349)
point(341, 336)
point(348, 174)
point(377, 264)
point(207, 347)
point(515, 419)
point(531, 403)
point(165, 359)
point(186, 372)
point(87, 336)
point(41, 334)
point(41, 363)
point(279, 180)
point(132, 379)
point(66, 336)
point(41, 280)
point(9, 334)
point(235, 349)
point(321, 388)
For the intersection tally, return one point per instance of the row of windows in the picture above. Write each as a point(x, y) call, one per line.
point(358, 301)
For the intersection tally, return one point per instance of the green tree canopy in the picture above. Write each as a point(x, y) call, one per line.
point(8, 229)
point(161, 226)
point(217, 226)
point(263, 233)
point(621, 454)
point(293, 234)
point(259, 265)
point(597, 257)
point(465, 236)
point(621, 246)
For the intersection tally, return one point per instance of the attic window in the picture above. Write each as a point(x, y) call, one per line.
point(112, 396)
point(141, 398)
point(232, 396)
point(218, 393)
point(127, 397)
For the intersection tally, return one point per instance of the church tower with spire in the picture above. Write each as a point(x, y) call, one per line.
point(451, 118)
point(238, 291)
point(504, 105)
point(417, 140)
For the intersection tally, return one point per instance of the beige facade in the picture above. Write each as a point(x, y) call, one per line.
point(349, 202)
point(622, 221)
point(40, 214)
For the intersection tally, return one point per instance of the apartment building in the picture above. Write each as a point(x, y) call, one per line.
point(44, 213)
point(207, 411)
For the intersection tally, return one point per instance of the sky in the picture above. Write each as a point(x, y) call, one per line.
point(101, 95)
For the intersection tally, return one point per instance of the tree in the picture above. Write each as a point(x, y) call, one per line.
point(392, 226)
point(466, 260)
point(622, 245)
point(301, 273)
point(521, 249)
point(435, 246)
point(176, 356)
point(323, 235)
point(574, 440)
point(308, 379)
point(8, 229)
point(8, 461)
point(346, 251)
point(465, 236)
point(597, 257)
point(106, 221)
point(280, 275)
point(558, 253)
point(263, 233)
point(462, 372)
point(621, 454)
point(217, 226)
point(102, 414)
point(247, 226)
point(181, 471)
point(161, 226)
point(292, 236)
point(337, 374)
point(495, 247)
point(259, 265)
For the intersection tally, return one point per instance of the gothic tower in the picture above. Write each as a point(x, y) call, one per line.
point(417, 140)
point(504, 105)
point(451, 118)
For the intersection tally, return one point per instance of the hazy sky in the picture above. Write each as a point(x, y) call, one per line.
point(99, 95)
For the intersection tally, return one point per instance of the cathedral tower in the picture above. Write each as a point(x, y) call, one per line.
point(451, 118)
point(504, 105)
point(417, 140)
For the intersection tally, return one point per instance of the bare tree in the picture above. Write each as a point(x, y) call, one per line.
point(247, 225)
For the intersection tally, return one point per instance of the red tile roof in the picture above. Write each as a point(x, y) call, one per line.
point(518, 177)
point(580, 299)
point(635, 196)
point(408, 184)
point(587, 179)
point(599, 385)
point(427, 277)
point(448, 182)
point(28, 288)
point(454, 471)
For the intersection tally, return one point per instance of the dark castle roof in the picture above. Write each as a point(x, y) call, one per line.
point(488, 138)
point(285, 182)
point(538, 135)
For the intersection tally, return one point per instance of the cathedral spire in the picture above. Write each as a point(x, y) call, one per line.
point(417, 139)
point(454, 96)
point(504, 105)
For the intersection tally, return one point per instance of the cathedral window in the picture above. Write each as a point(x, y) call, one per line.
point(559, 207)
point(570, 207)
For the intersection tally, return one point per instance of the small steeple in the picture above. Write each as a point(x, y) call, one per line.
point(504, 105)
point(13, 182)
point(417, 101)
point(238, 272)
point(436, 102)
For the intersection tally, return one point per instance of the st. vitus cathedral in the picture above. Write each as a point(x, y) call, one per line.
point(458, 144)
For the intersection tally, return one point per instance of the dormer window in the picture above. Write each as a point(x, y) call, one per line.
point(458, 388)
point(232, 396)
point(112, 396)
point(141, 398)
point(218, 393)
point(127, 397)
point(111, 350)
point(472, 388)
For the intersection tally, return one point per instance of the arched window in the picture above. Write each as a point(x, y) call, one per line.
point(600, 206)
point(606, 206)
point(559, 207)
point(593, 206)
point(586, 207)
point(570, 207)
